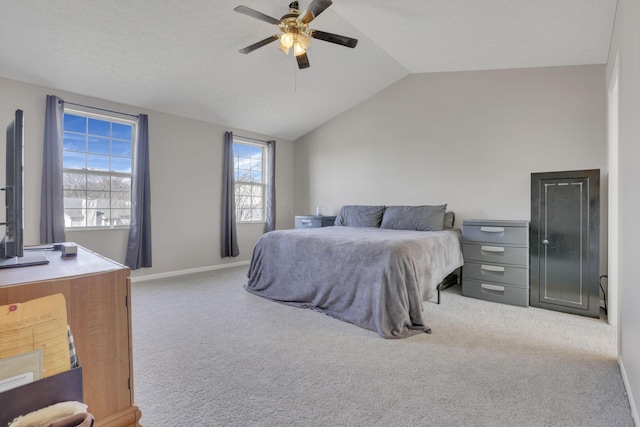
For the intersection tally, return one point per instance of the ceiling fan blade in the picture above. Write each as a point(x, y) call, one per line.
point(258, 15)
point(303, 61)
point(334, 38)
point(315, 8)
point(259, 44)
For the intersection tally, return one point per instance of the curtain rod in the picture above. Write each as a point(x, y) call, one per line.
point(252, 139)
point(101, 109)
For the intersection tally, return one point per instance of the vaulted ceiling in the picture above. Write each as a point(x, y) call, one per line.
point(181, 57)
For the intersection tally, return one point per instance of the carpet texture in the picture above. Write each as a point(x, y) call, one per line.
point(208, 353)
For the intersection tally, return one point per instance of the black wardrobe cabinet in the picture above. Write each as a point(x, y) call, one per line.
point(564, 241)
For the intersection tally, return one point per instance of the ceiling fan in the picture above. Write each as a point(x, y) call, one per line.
point(295, 31)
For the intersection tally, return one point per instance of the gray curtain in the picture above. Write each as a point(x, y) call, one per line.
point(270, 214)
point(229, 235)
point(139, 244)
point(52, 195)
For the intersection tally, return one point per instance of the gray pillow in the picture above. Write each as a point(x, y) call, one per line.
point(359, 216)
point(449, 220)
point(421, 218)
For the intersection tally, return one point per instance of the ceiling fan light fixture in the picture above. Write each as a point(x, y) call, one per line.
point(298, 49)
point(286, 40)
point(284, 49)
point(294, 30)
point(304, 40)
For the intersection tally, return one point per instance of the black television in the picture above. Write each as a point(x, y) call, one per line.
point(12, 253)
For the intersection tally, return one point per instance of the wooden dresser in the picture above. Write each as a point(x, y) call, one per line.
point(97, 291)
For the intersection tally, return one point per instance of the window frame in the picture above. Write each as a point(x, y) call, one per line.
point(113, 119)
point(263, 146)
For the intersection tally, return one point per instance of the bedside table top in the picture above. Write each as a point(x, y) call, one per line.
point(496, 222)
point(325, 217)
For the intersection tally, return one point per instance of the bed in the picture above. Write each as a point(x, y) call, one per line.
point(373, 269)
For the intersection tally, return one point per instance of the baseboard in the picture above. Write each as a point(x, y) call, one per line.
point(634, 410)
point(187, 271)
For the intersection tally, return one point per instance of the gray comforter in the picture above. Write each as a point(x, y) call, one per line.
point(374, 278)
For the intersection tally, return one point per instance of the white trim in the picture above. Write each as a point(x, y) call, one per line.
point(187, 271)
point(625, 380)
point(613, 203)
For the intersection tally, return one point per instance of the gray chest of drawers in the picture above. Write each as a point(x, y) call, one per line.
point(314, 221)
point(496, 261)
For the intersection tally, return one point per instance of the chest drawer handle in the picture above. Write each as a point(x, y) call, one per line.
point(492, 287)
point(491, 248)
point(306, 221)
point(492, 229)
point(492, 268)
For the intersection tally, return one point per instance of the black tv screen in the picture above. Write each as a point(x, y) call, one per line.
point(12, 243)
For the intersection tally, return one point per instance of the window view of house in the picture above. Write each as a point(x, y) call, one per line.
point(97, 155)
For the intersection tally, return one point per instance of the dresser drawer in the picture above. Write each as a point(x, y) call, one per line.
point(492, 253)
point(312, 221)
point(308, 223)
point(496, 233)
point(496, 292)
point(510, 274)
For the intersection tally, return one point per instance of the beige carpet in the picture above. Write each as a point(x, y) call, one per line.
point(208, 353)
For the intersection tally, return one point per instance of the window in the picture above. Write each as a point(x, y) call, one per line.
point(248, 166)
point(97, 162)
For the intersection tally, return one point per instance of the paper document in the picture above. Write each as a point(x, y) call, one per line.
point(37, 324)
point(21, 369)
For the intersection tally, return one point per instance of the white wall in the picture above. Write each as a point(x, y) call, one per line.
point(469, 139)
point(186, 179)
point(625, 45)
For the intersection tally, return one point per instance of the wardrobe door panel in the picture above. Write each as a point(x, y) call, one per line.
point(564, 241)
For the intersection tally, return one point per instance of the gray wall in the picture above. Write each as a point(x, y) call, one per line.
point(469, 139)
point(624, 44)
point(186, 179)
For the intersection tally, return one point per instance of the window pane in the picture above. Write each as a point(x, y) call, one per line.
point(121, 200)
point(74, 181)
point(245, 150)
point(244, 215)
point(98, 199)
point(98, 182)
point(256, 190)
point(256, 176)
point(97, 162)
point(244, 175)
point(74, 142)
point(96, 217)
point(75, 123)
point(256, 215)
point(99, 193)
point(120, 183)
point(73, 160)
point(74, 199)
point(256, 163)
point(121, 131)
point(99, 127)
point(74, 218)
point(121, 148)
point(121, 165)
point(256, 202)
point(249, 190)
point(98, 145)
point(120, 217)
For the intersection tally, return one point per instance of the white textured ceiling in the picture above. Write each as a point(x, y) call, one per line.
point(182, 57)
